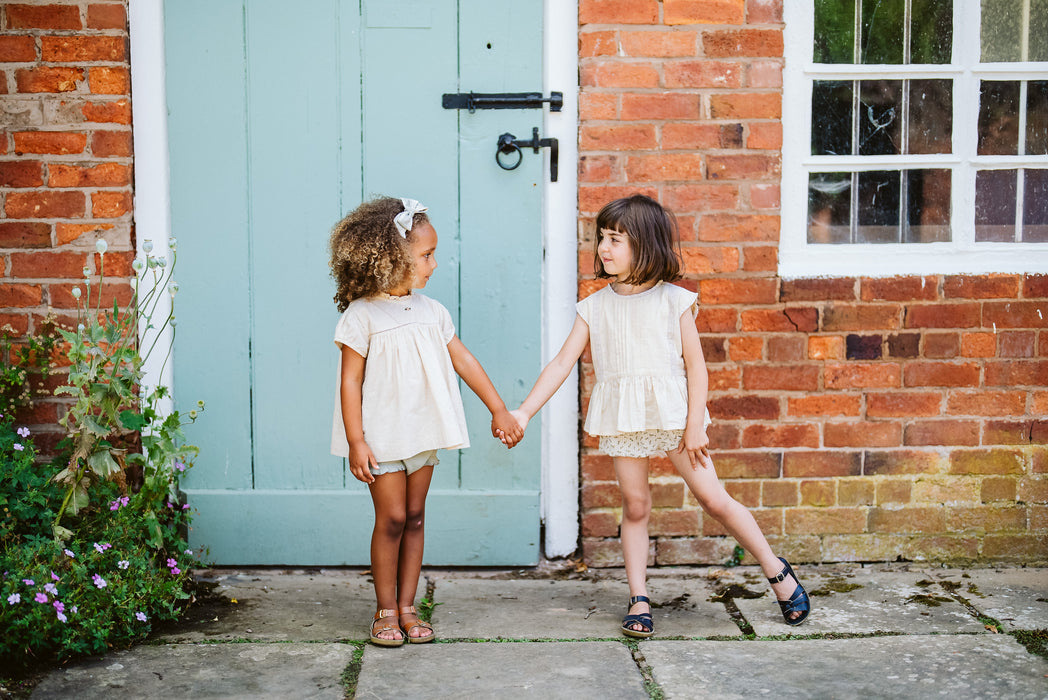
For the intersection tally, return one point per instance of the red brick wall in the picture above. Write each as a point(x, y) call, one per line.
point(65, 163)
point(859, 419)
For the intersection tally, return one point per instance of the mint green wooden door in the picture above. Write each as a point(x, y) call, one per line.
point(282, 118)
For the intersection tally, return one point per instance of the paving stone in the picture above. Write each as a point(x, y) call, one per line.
point(230, 671)
point(950, 666)
point(547, 670)
point(1016, 597)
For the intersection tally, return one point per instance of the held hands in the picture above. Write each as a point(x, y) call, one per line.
point(695, 444)
point(508, 427)
point(361, 460)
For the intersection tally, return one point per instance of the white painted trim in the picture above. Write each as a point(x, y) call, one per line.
point(797, 259)
point(560, 417)
point(152, 204)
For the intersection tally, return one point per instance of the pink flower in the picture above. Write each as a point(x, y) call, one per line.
point(40, 598)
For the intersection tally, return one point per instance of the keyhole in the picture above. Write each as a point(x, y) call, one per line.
point(489, 44)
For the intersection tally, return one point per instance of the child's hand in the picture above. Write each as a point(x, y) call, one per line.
point(506, 428)
point(695, 444)
point(360, 461)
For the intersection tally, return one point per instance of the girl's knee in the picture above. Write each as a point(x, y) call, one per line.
point(636, 508)
point(391, 525)
point(415, 520)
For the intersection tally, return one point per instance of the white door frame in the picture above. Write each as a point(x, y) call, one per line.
point(560, 443)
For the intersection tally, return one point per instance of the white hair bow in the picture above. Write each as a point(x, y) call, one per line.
point(406, 219)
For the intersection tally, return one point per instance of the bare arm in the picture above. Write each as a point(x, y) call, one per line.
point(360, 455)
point(468, 367)
point(695, 442)
point(554, 374)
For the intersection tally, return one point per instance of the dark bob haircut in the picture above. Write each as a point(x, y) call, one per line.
point(651, 231)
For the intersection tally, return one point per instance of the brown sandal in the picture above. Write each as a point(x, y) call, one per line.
point(385, 614)
point(406, 628)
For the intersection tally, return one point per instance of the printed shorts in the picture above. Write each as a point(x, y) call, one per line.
point(645, 443)
point(409, 465)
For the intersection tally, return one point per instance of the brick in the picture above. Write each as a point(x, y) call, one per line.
point(1016, 344)
point(748, 493)
point(904, 345)
point(764, 74)
point(599, 553)
point(1015, 314)
point(61, 295)
point(20, 325)
point(79, 49)
point(1039, 403)
point(777, 493)
point(598, 106)
point(909, 519)
point(748, 290)
point(822, 289)
point(701, 136)
point(764, 11)
point(955, 315)
point(20, 295)
point(744, 42)
point(821, 464)
point(616, 74)
point(900, 289)
point(591, 199)
point(599, 524)
point(601, 495)
point(780, 435)
point(862, 375)
point(818, 521)
point(47, 265)
point(765, 196)
point(625, 137)
point(981, 287)
point(101, 175)
point(743, 167)
point(863, 347)
point(665, 167)
point(17, 49)
point(986, 403)
point(746, 407)
point(1033, 489)
point(856, 492)
point(1007, 432)
point(986, 462)
point(110, 205)
point(21, 173)
point(820, 494)
point(984, 519)
point(945, 374)
point(659, 43)
point(998, 488)
point(106, 16)
point(865, 434)
point(598, 43)
point(780, 320)
point(864, 317)
point(597, 467)
point(716, 320)
point(769, 520)
point(45, 204)
point(693, 551)
point(978, 345)
point(942, 432)
point(1013, 373)
point(704, 11)
point(942, 345)
point(618, 12)
point(724, 436)
point(1035, 286)
point(667, 495)
point(893, 491)
point(702, 74)
point(43, 17)
point(738, 228)
point(665, 522)
point(745, 348)
point(647, 106)
point(903, 404)
point(24, 234)
point(709, 260)
point(111, 143)
point(825, 405)
point(49, 142)
point(760, 258)
point(788, 348)
point(781, 378)
point(597, 168)
point(1028, 549)
point(945, 490)
point(1039, 432)
point(713, 349)
point(116, 112)
point(67, 233)
point(755, 105)
point(826, 347)
point(748, 465)
point(48, 79)
point(701, 197)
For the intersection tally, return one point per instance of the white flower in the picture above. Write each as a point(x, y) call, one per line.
point(138, 265)
point(101, 246)
point(173, 288)
point(75, 292)
point(18, 447)
point(147, 245)
point(23, 432)
point(87, 271)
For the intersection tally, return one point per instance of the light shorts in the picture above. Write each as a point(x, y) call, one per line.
point(646, 443)
point(409, 465)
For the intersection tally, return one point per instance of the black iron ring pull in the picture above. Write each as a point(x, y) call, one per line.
point(509, 144)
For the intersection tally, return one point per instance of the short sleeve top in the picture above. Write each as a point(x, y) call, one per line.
point(638, 359)
point(410, 396)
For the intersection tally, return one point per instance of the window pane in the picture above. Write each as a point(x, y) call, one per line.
point(928, 209)
point(829, 207)
point(931, 116)
point(880, 128)
point(1001, 30)
point(878, 220)
point(1035, 206)
point(931, 31)
point(998, 118)
point(1037, 118)
point(995, 205)
point(831, 117)
point(834, 31)
point(882, 31)
point(1038, 30)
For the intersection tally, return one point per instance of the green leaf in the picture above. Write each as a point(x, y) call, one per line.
point(62, 534)
point(102, 463)
point(132, 420)
point(94, 427)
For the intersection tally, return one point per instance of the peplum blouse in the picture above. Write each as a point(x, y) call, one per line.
point(638, 359)
point(411, 401)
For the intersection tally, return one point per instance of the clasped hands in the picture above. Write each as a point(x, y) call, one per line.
point(508, 426)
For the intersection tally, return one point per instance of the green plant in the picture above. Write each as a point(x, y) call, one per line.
point(24, 365)
point(26, 491)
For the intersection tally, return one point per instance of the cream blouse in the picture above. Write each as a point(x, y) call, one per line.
point(411, 401)
point(638, 359)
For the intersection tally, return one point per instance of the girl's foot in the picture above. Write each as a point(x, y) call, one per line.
point(385, 630)
point(791, 596)
point(416, 631)
point(638, 622)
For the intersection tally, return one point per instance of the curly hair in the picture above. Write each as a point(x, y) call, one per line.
point(368, 255)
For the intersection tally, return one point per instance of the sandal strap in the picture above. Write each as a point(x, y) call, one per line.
point(780, 577)
point(639, 599)
point(384, 613)
point(409, 610)
point(642, 619)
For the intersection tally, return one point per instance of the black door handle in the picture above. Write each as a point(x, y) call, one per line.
point(509, 144)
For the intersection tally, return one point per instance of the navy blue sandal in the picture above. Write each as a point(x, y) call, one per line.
point(642, 619)
point(798, 602)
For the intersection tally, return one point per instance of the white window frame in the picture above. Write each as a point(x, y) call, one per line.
point(961, 255)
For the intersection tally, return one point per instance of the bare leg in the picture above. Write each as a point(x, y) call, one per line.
point(388, 496)
point(412, 543)
point(632, 474)
point(735, 518)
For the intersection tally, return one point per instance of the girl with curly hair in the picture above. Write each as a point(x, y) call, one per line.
point(399, 400)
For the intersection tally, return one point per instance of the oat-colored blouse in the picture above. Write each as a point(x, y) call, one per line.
point(638, 359)
point(411, 401)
